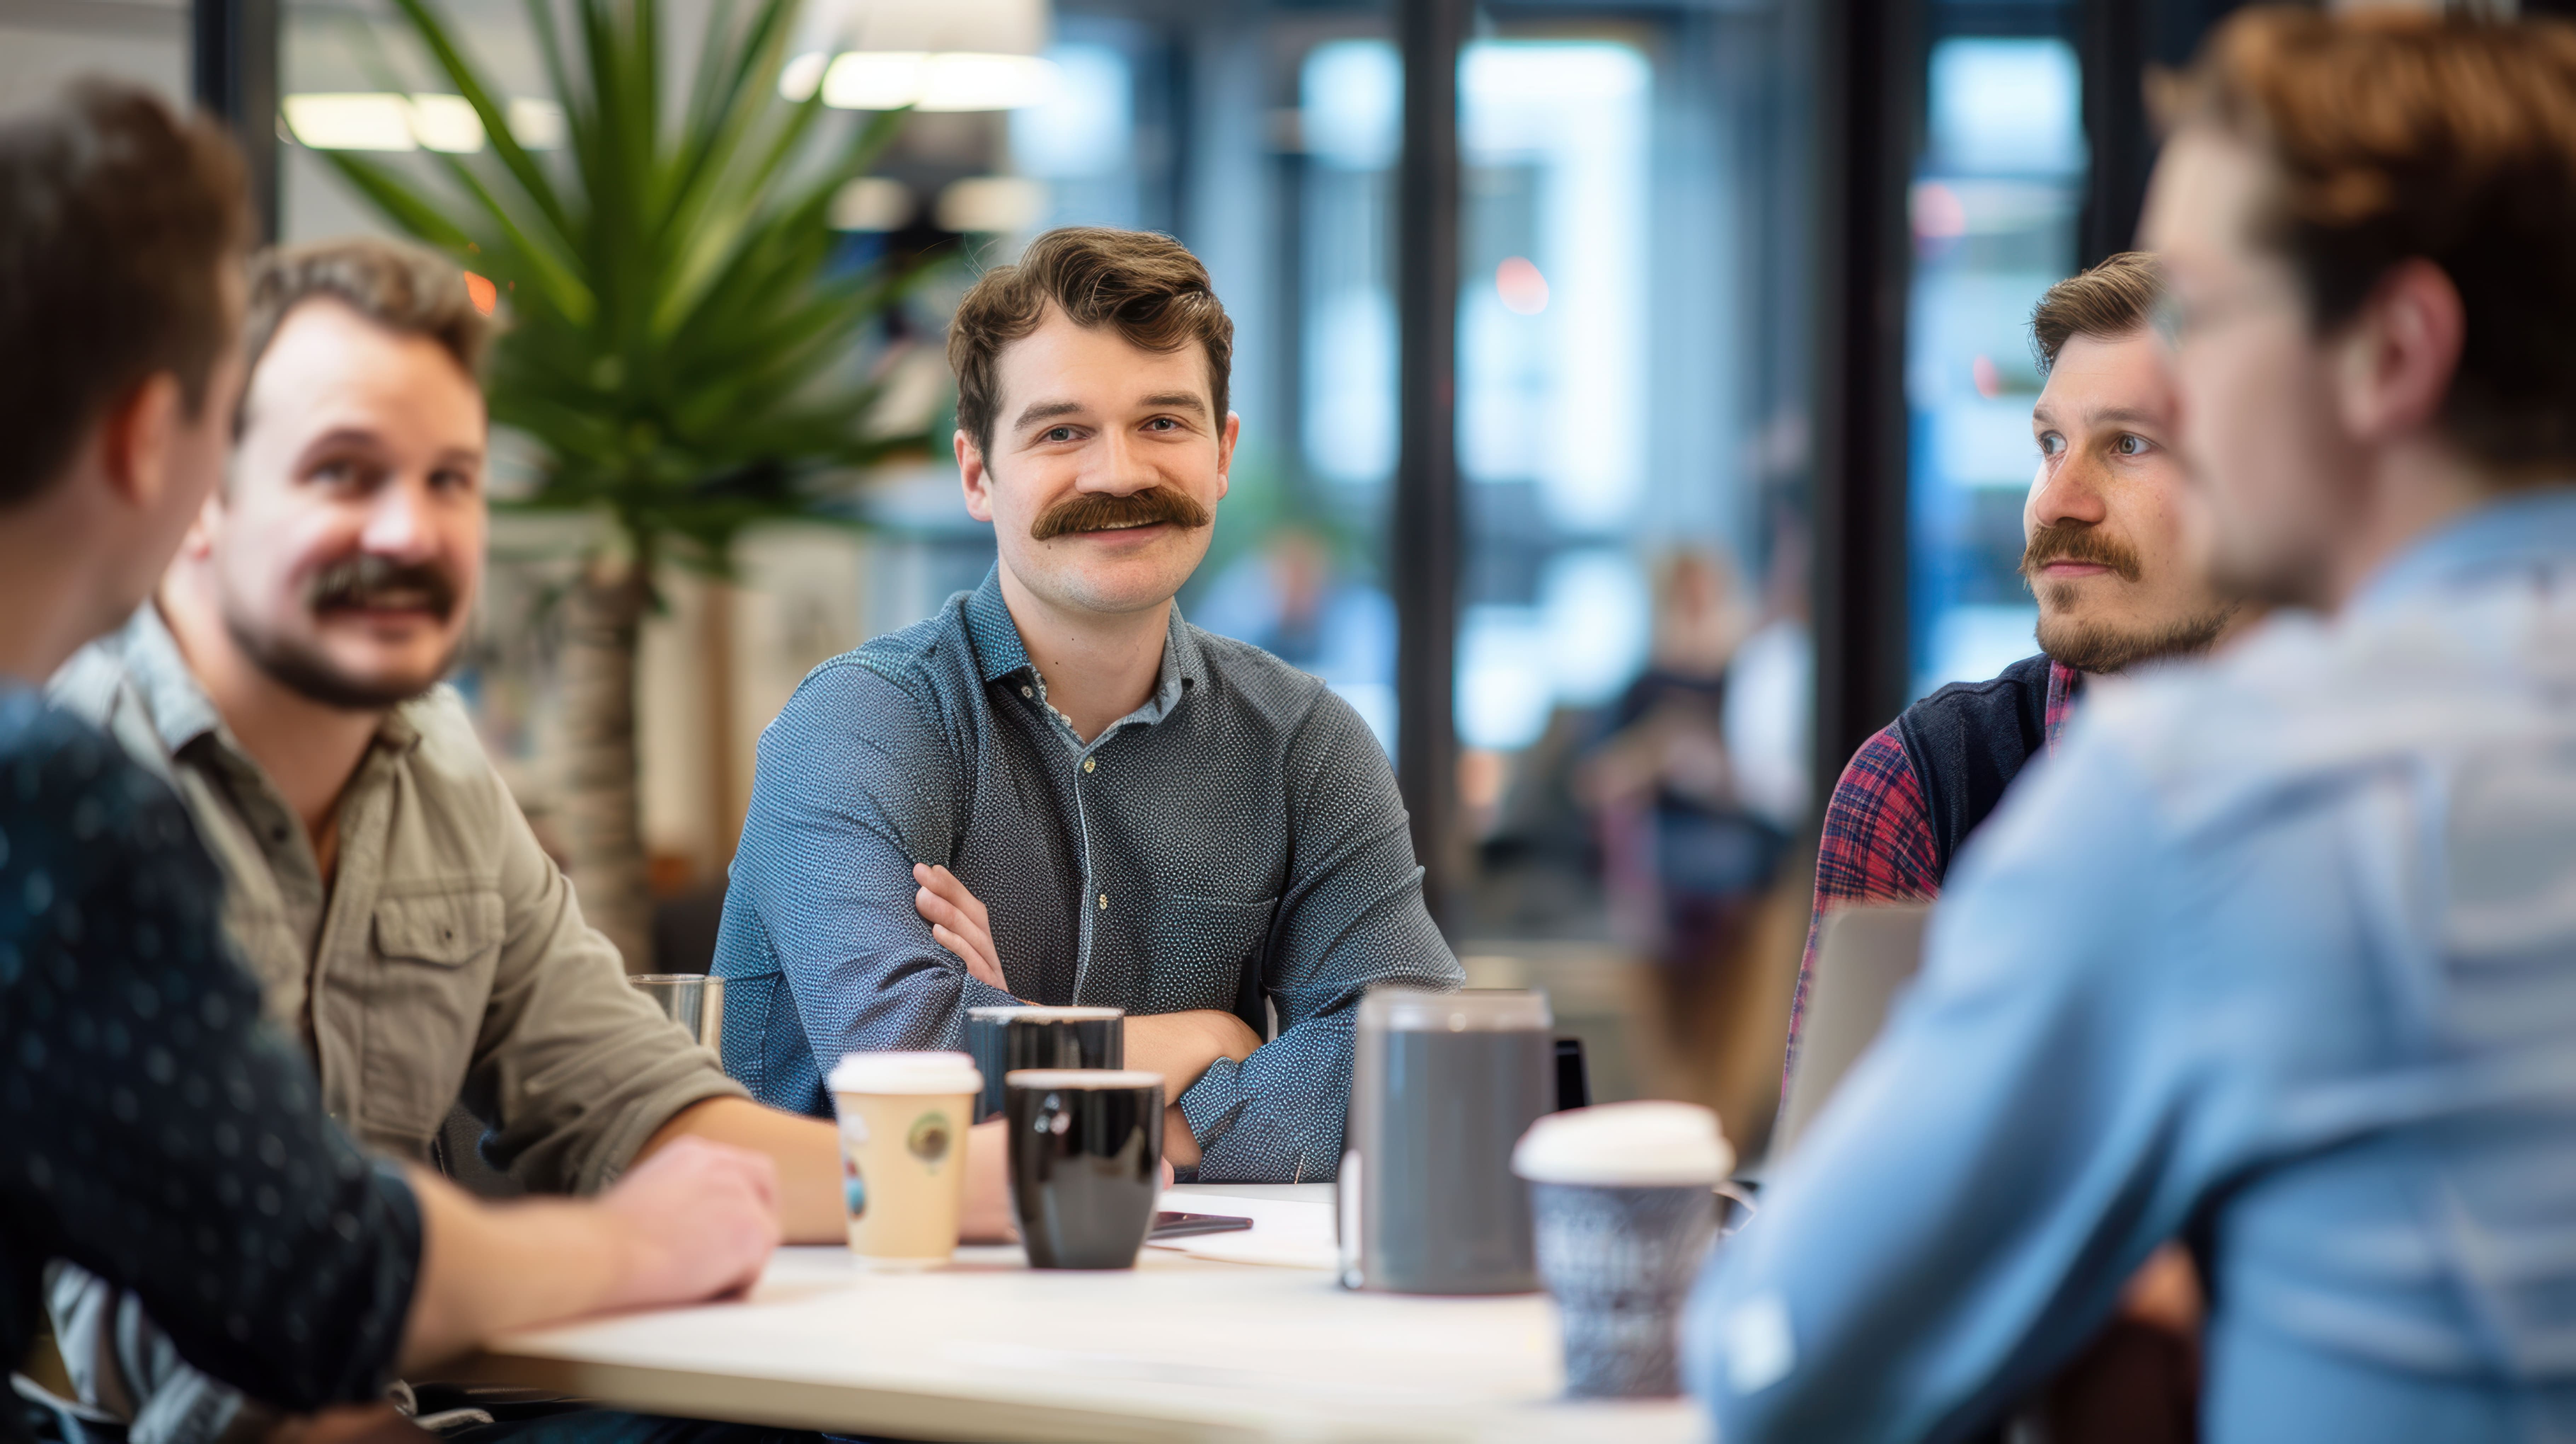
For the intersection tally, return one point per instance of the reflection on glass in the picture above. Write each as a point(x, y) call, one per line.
point(1994, 208)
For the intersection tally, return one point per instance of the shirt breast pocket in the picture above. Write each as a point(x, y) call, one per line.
point(450, 930)
point(435, 958)
point(1212, 951)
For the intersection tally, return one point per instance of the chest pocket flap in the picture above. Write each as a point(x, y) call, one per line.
point(449, 931)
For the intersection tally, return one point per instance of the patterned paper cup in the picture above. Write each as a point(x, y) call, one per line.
point(1626, 1205)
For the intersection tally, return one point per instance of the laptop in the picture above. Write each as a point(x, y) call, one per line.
point(1863, 956)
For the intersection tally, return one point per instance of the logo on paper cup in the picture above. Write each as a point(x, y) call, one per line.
point(929, 1139)
point(854, 1189)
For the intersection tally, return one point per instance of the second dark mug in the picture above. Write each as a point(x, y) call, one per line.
point(1086, 1162)
point(1016, 1036)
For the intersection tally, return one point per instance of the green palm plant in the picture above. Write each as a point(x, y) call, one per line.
point(679, 343)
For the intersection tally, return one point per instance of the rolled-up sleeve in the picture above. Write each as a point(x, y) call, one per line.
point(574, 1069)
point(855, 783)
point(1352, 918)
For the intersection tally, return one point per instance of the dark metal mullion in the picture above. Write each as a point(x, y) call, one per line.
point(2114, 48)
point(1870, 86)
point(233, 74)
point(1424, 566)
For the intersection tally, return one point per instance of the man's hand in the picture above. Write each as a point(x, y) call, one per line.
point(700, 1219)
point(958, 922)
point(1181, 1046)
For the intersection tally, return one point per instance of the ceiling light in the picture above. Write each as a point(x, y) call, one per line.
point(385, 121)
point(991, 205)
point(933, 80)
point(351, 121)
point(446, 123)
point(872, 203)
point(797, 80)
point(537, 124)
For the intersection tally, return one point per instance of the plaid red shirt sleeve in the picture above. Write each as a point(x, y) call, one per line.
point(1877, 848)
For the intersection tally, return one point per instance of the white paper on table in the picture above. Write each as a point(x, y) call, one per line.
point(1285, 1233)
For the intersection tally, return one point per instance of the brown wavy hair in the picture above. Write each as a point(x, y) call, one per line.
point(407, 289)
point(2107, 302)
point(2398, 135)
point(119, 220)
point(1148, 286)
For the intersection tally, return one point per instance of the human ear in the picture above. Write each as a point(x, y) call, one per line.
point(1225, 440)
point(971, 475)
point(2400, 354)
point(135, 441)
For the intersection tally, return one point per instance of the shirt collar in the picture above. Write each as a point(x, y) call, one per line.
point(178, 706)
point(2517, 532)
point(999, 653)
point(179, 709)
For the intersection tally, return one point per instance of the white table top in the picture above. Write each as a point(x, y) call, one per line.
point(1180, 1348)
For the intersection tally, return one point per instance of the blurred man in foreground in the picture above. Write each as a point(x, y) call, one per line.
point(379, 879)
point(2107, 558)
point(2279, 954)
point(1058, 790)
point(159, 1133)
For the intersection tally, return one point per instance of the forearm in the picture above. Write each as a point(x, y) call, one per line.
point(487, 1268)
point(807, 1152)
point(1182, 1047)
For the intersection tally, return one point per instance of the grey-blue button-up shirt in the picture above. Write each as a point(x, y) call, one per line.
point(1236, 843)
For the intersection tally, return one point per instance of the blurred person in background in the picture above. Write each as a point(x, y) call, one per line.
point(2107, 556)
point(1056, 790)
point(2276, 956)
point(404, 924)
point(1684, 856)
point(161, 1134)
point(1292, 598)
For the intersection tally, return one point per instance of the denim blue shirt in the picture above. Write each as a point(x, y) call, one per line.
point(2279, 954)
point(1236, 843)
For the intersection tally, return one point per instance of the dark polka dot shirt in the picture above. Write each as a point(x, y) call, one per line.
point(152, 1129)
point(1237, 844)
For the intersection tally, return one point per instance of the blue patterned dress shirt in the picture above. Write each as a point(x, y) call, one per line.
point(2276, 954)
point(1236, 843)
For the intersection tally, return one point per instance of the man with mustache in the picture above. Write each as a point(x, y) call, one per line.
point(380, 881)
point(1056, 790)
point(2106, 557)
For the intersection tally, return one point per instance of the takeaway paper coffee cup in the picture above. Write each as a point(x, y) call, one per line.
point(1625, 1201)
point(903, 1153)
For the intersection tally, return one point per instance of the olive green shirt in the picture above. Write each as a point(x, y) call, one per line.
point(445, 960)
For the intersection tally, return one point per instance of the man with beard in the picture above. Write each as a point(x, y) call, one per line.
point(1056, 790)
point(2106, 557)
point(380, 881)
point(2278, 955)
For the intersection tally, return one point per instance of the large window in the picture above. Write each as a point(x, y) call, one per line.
point(1994, 206)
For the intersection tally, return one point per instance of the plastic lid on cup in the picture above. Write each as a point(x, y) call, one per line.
point(1627, 1145)
point(1468, 1010)
point(928, 1072)
point(1081, 1078)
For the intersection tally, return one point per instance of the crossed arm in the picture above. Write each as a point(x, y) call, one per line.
point(1180, 1046)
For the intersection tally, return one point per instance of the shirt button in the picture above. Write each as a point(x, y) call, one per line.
point(1025, 692)
point(1104, 902)
point(1089, 763)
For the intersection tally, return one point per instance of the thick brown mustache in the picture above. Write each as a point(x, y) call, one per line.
point(366, 581)
point(1099, 511)
point(2062, 542)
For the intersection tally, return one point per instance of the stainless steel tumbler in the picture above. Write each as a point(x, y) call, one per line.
point(1442, 1086)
